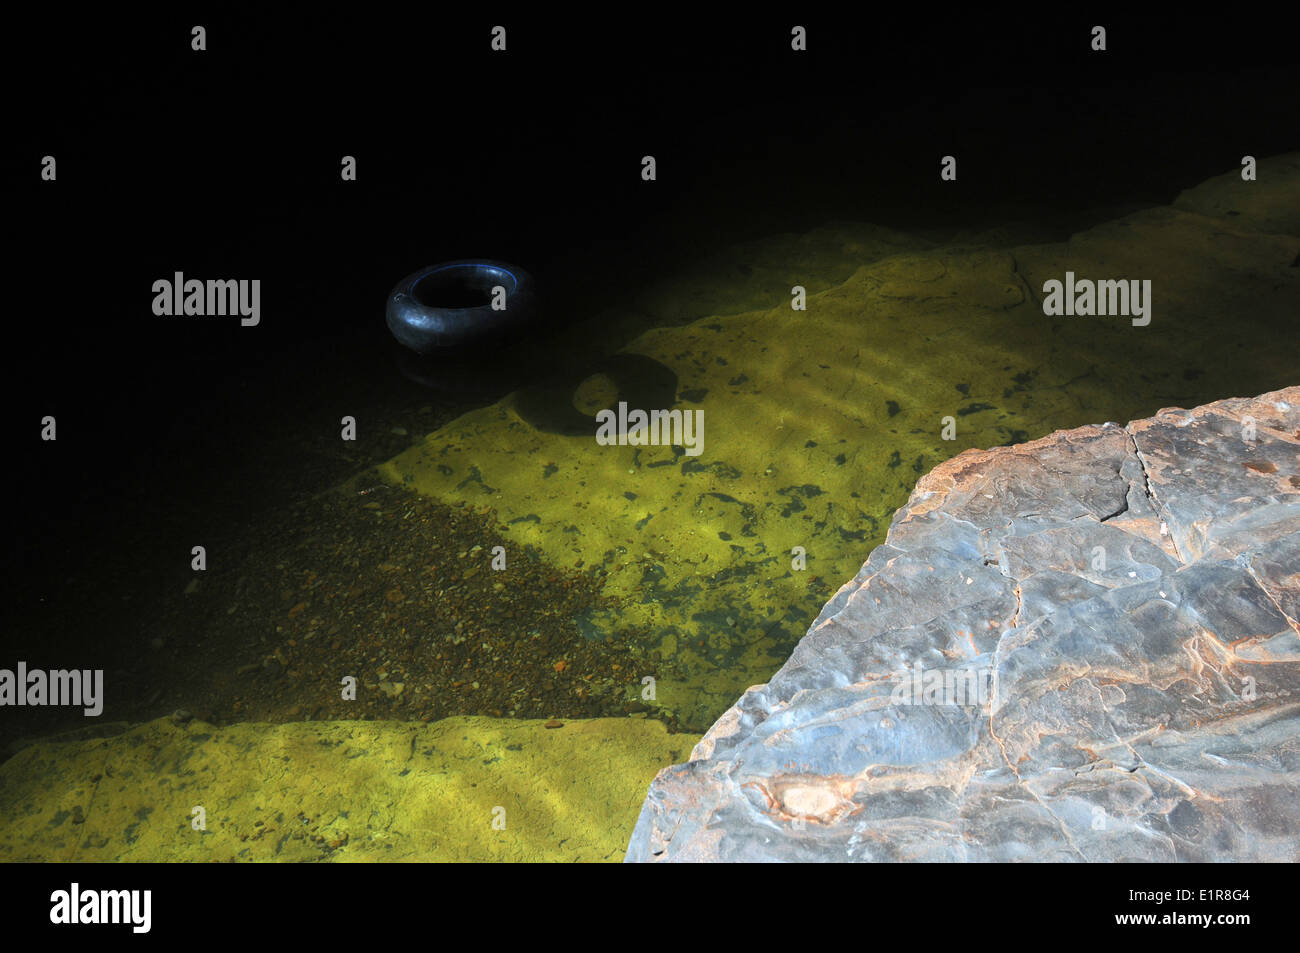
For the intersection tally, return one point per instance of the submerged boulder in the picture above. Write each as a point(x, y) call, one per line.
point(1085, 647)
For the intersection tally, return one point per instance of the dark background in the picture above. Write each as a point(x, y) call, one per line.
point(225, 164)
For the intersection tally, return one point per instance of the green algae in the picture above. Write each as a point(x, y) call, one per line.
point(461, 789)
point(726, 557)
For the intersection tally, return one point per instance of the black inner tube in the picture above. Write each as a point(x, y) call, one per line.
point(454, 304)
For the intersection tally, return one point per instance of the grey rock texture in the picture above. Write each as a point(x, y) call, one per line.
point(1081, 648)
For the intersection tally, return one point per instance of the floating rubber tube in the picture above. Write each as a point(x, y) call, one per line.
point(452, 304)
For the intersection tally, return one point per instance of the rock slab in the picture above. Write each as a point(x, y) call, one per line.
point(1082, 648)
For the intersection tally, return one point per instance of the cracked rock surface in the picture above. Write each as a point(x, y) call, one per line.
point(1084, 647)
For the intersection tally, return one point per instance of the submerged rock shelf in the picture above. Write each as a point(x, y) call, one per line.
point(819, 422)
point(462, 789)
point(1085, 647)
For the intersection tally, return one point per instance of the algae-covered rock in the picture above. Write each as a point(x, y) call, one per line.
point(462, 789)
point(817, 422)
point(1269, 203)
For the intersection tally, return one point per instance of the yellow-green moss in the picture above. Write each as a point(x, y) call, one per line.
point(817, 423)
point(337, 791)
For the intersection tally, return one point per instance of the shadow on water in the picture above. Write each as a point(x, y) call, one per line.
point(641, 382)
